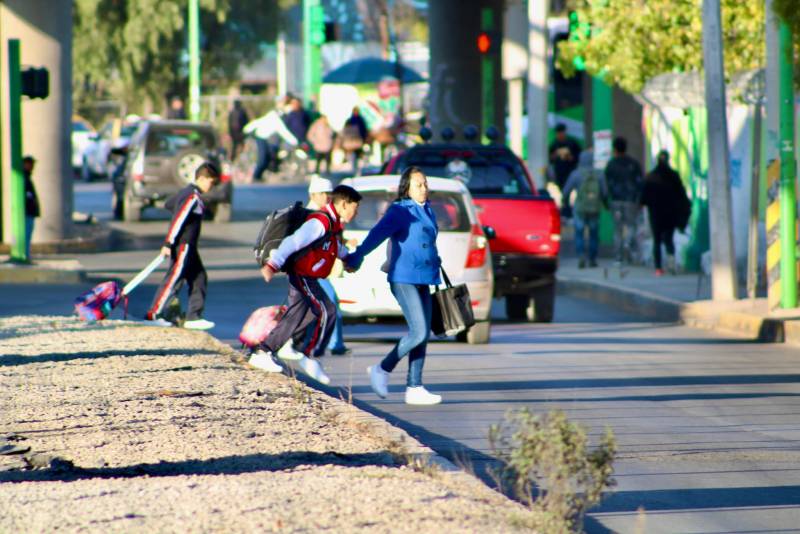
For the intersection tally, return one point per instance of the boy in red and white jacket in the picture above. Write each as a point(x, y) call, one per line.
point(308, 255)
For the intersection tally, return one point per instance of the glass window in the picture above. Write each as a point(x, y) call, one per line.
point(484, 172)
point(169, 142)
point(449, 209)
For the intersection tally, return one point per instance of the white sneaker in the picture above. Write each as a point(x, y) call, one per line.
point(157, 322)
point(287, 352)
point(198, 324)
point(378, 380)
point(420, 395)
point(263, 360)
point(313, 369)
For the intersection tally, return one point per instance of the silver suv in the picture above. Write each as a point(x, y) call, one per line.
point(161, 159)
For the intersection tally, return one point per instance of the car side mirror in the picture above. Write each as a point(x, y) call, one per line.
point(489, 232)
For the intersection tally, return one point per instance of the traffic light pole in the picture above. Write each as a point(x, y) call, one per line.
point(788, 194)
point(194, 60)
point(18, 244)
point(487, 76)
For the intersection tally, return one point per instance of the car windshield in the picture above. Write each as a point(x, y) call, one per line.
point(170, 141)
point(484, 172)
point(448, 207)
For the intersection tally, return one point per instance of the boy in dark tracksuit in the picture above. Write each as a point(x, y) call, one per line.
point(180, 246)
point(308, 255)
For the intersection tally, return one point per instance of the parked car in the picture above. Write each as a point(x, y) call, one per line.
point(161, 159)
point(527, 223)
point(462, 246)
point(98, 160)
point(82, 135)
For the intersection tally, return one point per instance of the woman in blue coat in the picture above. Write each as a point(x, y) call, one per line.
point(414, 265)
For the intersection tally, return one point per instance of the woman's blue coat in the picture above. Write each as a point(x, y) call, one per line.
point(412, 229)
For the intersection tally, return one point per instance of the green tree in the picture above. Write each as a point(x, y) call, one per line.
point(632, 40)
point(135, 50)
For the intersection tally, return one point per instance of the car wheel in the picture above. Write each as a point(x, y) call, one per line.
point(517, 307)
point(131, 210)
point(544, 303)
point(222, 212)
point(478, 334)
point(117, 205)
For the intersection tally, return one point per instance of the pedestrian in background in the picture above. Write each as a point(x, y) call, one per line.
point(321, 137)
point(668, 208)
point(180, 246)
point(268, 131)
point(564, 152)
point(414, 265)
point(237, 119)
point(176, 109)
point(591, 195)
point(354, 135)
point(31, 201)
point(624, 179)
point(298, 120)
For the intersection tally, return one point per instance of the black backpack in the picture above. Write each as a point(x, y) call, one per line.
point(278, 226)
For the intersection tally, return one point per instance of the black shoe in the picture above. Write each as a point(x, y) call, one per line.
point(581, 264)
point(341, 352)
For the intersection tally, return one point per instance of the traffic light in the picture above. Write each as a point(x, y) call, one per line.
point(487, 42)
point(36, 82)
point(316, 25)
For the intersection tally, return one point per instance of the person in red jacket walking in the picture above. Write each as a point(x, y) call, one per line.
point(307, 256)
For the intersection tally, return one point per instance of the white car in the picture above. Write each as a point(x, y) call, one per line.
point(82, 135)
point(97, 161)
point(462, 246)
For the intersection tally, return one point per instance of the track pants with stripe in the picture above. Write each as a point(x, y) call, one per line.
point(309, 319)
point(185, 266)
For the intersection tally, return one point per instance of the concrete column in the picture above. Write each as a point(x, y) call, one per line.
point(516, 96)
point(44, 28)
point(455, 65)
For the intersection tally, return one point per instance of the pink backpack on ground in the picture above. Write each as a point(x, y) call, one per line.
point(259, 325)
point(97, 303)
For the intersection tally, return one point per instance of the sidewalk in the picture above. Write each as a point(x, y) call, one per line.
point(681, 298)
point(121, 427)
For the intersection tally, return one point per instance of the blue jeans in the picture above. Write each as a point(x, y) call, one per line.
point(337, 340)
point(415, 301)
point(592, 223)
point(28, 234)
point(264, 158)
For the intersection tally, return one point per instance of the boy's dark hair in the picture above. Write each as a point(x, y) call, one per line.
point(208, 170)
point(561, 127)
point(346, 193)
point(620, 145)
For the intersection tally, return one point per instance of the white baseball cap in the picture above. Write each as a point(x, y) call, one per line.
point(318, 184)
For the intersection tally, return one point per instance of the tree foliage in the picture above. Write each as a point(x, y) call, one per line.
point(135, 50)
point(634, 40)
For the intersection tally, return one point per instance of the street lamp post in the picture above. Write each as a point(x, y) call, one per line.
point(194, 60)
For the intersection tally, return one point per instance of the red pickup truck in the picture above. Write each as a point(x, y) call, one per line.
point(525, 234)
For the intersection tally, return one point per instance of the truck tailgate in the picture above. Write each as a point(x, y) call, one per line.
point(523, 225)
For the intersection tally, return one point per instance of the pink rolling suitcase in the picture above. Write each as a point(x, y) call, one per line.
point(259, 325)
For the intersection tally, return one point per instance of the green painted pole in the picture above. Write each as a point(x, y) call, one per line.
point(312, 59)
point(788, 196)
point(194, 60)
point(18, 244)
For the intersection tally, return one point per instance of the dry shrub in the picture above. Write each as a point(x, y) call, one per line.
point(550, 466)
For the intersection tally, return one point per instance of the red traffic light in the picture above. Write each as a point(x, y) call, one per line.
point(484, 43)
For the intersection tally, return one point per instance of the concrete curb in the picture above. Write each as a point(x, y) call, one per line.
point(43, 272)
point(743, 319)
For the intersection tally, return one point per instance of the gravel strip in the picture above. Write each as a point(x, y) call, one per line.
point(134, 428)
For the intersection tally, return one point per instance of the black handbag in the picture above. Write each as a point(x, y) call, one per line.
point(452, 309)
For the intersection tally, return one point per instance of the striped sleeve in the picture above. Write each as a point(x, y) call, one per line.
point(179, 219)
